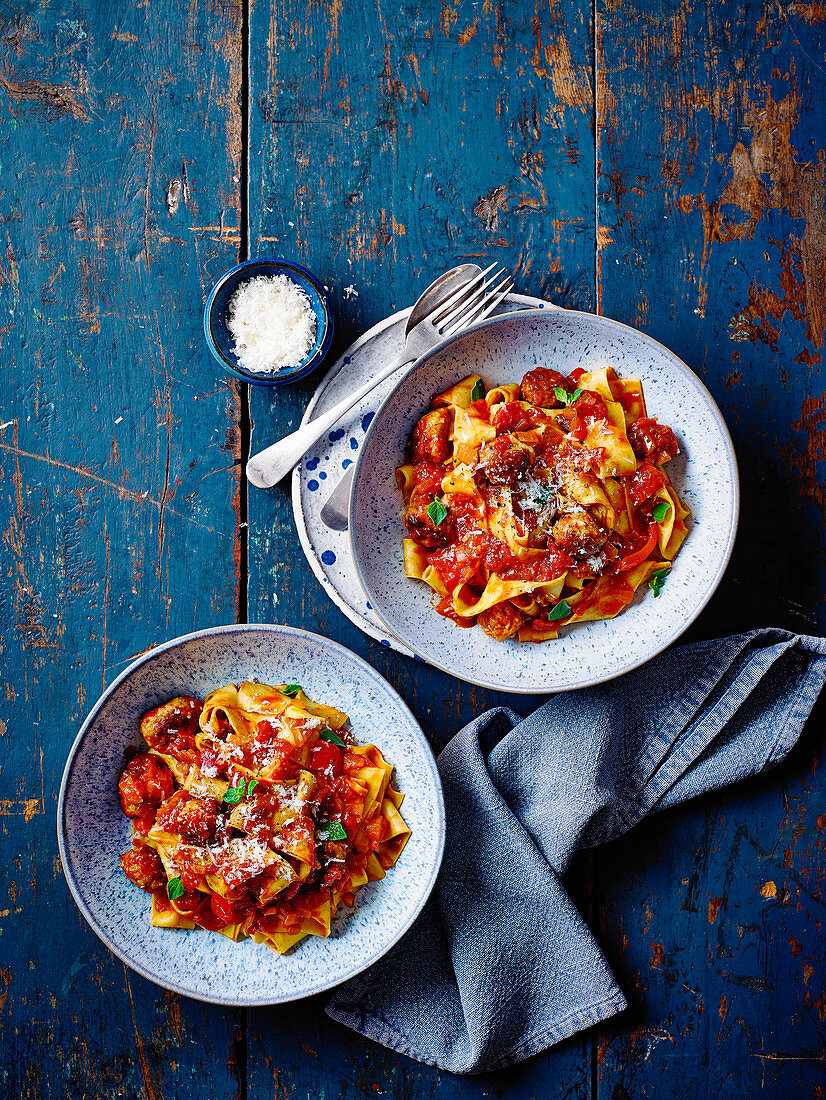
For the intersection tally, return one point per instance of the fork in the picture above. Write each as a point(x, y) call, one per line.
point(470, 304)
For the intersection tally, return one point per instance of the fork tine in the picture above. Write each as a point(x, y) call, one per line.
point(479, 295)
point(467, 290)
point(467, 310)
point(494, 302)
point(480, 311)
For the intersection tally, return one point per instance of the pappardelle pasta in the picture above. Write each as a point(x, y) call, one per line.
point(256, 814)
point(530, 507)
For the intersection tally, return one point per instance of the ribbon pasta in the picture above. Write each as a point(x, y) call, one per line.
point(255, 814)
point(537, 505)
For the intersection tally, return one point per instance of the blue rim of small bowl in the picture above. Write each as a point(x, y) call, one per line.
point(734, 517)
point(291, 374)
point(69, 871)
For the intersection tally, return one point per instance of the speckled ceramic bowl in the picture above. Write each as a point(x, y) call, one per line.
point(704, 474)
point(93, 832)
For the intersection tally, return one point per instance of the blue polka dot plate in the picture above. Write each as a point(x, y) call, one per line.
point(704, 474)
point(328, 552)
point(93, 832)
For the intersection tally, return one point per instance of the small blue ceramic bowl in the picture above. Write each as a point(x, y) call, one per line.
point(220, 342)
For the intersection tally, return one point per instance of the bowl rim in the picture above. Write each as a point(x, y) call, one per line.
point(61, 822)
point(293, 374)
point(682, 625)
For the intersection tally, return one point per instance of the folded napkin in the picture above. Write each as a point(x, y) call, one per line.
point(500, 965)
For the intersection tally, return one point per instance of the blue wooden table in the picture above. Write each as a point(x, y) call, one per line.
point(659, 162)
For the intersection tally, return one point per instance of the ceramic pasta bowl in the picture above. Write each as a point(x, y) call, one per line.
point(704, 475)
point(93, 831)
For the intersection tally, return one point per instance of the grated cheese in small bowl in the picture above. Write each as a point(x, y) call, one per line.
point(268, 322)
point(272, 323)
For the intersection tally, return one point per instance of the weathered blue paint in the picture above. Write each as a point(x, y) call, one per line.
point(384, 145)
point(711, 198)
point(118, 143)
point(383, 150)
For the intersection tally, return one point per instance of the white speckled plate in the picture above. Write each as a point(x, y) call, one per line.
point(328, 552)
point(93, 832)
point(705, 476)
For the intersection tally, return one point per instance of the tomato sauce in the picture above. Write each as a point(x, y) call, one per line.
point(540, 493)
point(644, 482)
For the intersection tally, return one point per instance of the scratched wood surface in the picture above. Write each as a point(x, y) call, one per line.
point(118, 491)
point(661, 163)
point(381, 153)
point(712, 238)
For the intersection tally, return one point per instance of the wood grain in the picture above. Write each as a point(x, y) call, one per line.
point(663, 164)
point(713, 239)
point(119, 141)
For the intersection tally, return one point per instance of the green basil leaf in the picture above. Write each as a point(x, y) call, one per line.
point(657, 580)
point(235, 794)
point(331, 830)
point(660, 511)
point(565, 397)
point(251, 785)
point(559, 611)
point(291, 690)
point(479, 390)
point(333, 738)
point(437, 512)
point(174, 888)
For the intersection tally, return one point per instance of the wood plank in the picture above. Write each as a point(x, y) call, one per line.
point(119, 143)
point(713, 239)
point(385, 148)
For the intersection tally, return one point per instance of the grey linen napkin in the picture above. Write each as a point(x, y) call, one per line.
point(500, 965)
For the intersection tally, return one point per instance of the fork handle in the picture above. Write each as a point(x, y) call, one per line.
point(266, 468)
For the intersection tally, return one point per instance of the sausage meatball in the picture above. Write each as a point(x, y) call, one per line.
point(501, 622)
point(143, 867)
point(421, 527)
point(193, 818)
point(145, 782)
point(431, 437)
point(173, 724)
point(538, 387)
point(504, 460)
point(647, 437)
point(578, 534)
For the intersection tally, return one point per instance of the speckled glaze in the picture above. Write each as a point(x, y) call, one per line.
point(93, 832)
point(328, 552)
point(704, 474)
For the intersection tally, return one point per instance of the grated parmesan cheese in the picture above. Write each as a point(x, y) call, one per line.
point(541, 498)
point(271, 320)
point(288, 797)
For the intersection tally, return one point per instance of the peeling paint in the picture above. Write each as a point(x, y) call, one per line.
point(490, 206)
point(53, 99)
point(768, 175)
point(173, 196)
point(177, 189)
point(809, 465)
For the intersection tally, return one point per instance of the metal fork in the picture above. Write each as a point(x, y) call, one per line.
point(467, 306)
